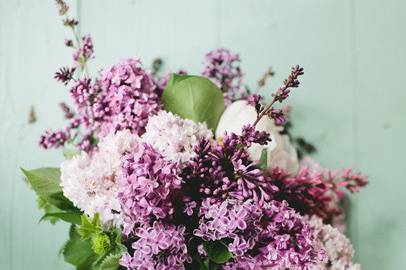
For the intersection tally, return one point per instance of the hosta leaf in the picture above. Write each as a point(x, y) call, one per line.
point(195, 98)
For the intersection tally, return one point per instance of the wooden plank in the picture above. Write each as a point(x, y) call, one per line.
point(180, 32)
point(380, 55)
point(31, 45)
point(314, 34)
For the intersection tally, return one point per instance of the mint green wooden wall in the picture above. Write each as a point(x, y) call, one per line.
point(352, 102)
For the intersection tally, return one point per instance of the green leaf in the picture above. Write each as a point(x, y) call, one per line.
point(78, 252)
point(61, 202)
point(44, 181)
point(196, 264)
point(195, 98)
point(111, 261)
point(89, 228)
point(263, 160)
point(70, 217)
point(47, 208)
point(217, 251)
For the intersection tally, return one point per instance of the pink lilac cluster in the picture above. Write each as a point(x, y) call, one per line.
point(158, 247)
point(148, 183)
point(222, 67)
point(316, 193)
point(269, 235)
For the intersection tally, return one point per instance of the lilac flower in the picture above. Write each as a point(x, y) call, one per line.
point(84, 52)
point(54, 139)
point(68, 113)
point(82, 93)
point(148, 183)
point(75, 123)
point(316, 193)
point(254, 101)
point(278, 116)
point(222, 67)
point(128, 99)
point(189, 206)
point(261, 236)
point(224, 169)
point(87, 143)
point(68, 43)
point(158, 247)
point(64, 75)
point(70, 22)
point(291, 82)
point(250, 135)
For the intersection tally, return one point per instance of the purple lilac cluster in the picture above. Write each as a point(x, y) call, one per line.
point(158, 247)
point(127, 99)
point(225, 170)
point(123, 98)
point(261, 236)
point(222, 67)
point(148, 183)
point(236, 205)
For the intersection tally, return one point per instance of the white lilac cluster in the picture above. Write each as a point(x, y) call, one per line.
point(173, 136)
point(337, 247)
point(90, 181)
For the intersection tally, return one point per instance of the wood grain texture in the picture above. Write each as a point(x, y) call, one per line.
point(351, 104)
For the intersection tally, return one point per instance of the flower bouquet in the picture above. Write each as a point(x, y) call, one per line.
point(187, 172)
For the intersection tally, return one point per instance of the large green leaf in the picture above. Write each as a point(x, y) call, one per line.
point(45, 181)
point(217, 251)
point(195, 98)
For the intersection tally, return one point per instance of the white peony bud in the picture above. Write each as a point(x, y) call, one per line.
point(280, 151)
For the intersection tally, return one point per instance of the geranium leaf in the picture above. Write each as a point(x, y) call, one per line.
point(195, 98)
point(78, 252)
